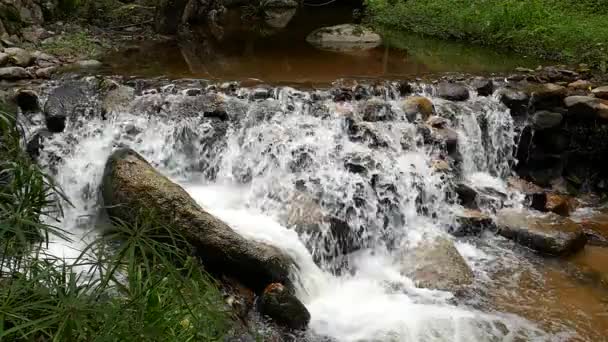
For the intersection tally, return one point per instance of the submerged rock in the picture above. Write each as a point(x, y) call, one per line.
point(548, 234)
point(278, 303)
point(453, 91)
point(471, 222)
point(437, 264)
point(131, 185)
point(346, 37)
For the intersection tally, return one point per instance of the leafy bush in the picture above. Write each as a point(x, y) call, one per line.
point(135, 282)
point(570, 31)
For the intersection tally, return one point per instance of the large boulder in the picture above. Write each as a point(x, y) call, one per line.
point(437, 264)
point(346, 37)
point(131, 184)
point(453, 91)
point(548, 234)
point(278, 303)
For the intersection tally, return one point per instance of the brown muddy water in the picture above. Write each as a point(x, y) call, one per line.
point(283, 56)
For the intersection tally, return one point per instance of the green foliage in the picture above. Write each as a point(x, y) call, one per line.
point(135, 282)
point(75, 44)
point(105, 13)
point(570, 31)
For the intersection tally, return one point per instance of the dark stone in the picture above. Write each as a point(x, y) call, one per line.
point(467, 196)
point(35, 144)
point(217, 114)
point(365, 132)
point(585, 108)
point(517, 101)
point(484, 86)
point(61, 104)
point(453, 91)
point(283, 307)
point(547, 96)
point(27, 100)
point(471, 223)
point(552, 140)
point(545, 119)
point(404, 88)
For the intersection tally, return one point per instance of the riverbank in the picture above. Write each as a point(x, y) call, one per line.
point(569, 31)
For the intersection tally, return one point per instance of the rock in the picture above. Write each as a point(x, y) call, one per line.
point(440, 165)
point(453, 91)
point(545, 119)
point(580, 85)
point(467, 196)
point(548, 234)
point(88, 64)
point(117, 99)
point(13, 73)
point(437, 122)
point(45, 72)
point(3, 59)
point(559, 204)
point(346, 37)
point(601, 92)
point(483, 86)
point(471, 223)
point(27, 100)
point(375, 110)
point(130, 185)
point(19, 57)
point(447, 137)
point(61, 104)
point(535, 196)
point(547, 96)
point(278, 13)
point(36, 143)
point(366, 132)
point(35, 34)
point(278, 303)
point(517, 101)
point(586, 108)
point(415, 106)
point(44, 60)
point(437, 265)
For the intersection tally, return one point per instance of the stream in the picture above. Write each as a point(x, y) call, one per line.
point(285, 151)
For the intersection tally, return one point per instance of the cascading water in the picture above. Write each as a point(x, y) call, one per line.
point(342, 187)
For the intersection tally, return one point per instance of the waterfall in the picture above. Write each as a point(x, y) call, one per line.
point(340, 194)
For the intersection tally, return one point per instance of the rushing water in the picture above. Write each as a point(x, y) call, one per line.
point(291, 151)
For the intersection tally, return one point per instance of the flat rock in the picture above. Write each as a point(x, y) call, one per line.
point(346, 37)
point(547, 96)
point(471, 223)
point(437, 264)
point(601, 92)
point(580, 85)
point(548, 234)
point(13, 73)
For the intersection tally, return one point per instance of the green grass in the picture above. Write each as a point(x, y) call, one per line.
point(75, 44)
point(133, 283)
point(571, 31)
